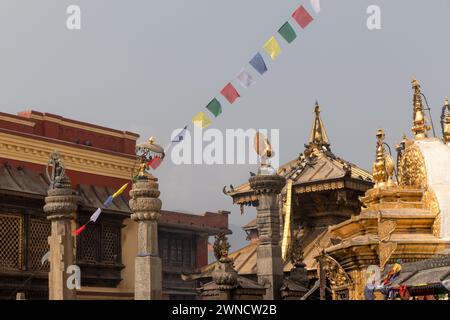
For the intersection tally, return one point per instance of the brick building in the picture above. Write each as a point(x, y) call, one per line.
point(98, 160)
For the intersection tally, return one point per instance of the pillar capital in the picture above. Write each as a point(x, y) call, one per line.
point(61, 203)
point(144, 201)
point(267, 184)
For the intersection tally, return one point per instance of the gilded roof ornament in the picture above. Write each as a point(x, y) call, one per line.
point(445, 121)
point(420, 127)
point(318, 140)
point(383, 167)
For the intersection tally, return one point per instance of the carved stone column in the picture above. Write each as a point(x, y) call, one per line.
point(269, 262)
point(146, 208)
point(60, 206)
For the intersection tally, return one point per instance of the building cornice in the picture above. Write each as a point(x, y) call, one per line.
point(37, 151)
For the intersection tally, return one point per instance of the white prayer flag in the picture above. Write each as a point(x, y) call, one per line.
point(316, 5)
point(94, 217)
point(245, 79)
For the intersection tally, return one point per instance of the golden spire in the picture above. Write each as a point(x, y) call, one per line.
point(420, 127)
point(383, 167)
point(318, 137)
point(445, 121)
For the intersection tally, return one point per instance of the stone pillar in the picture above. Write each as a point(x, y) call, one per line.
point(146, 208)
point(60, 206)
point(269, 263)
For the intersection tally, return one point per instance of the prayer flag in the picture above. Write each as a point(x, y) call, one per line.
point(245, 79)
point(302, 17)
point(79, 230)
point(201, 120)
point(120, 191)
point(179, 137)
point(258, 63)
point(214, 107)
point(108, 202)
point(155, 162)
point(230, 93)
point(272, 48)
point(96, 214)
point(316, 5)
point(287, 32)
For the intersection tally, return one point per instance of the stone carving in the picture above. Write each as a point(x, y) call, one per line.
point(224, 274)
point(144, 200)
point(57, 175)
point(295, 251)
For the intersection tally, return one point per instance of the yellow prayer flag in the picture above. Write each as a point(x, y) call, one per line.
point(272, 48)
point(201, 120)
point(119, 192)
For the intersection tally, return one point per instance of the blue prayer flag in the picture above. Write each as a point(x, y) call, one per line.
point(108, 202)
point(258, 63)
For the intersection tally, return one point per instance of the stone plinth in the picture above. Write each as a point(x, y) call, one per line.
point(146, 208)
point(60, 206)
point(269, 262)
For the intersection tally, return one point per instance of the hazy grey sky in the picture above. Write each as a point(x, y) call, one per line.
point(149, 66)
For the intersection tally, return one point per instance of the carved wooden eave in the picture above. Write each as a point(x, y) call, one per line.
point(326, 172)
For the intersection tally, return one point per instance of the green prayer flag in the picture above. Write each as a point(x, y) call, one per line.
point(287, 32)
point(215, 107)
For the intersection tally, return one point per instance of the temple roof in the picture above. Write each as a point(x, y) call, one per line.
point(317, 168)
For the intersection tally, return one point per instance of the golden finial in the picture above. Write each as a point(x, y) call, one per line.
point(420, 127)
point(317, 108)
point(445, 121)
point(383, 167)
point(318, 140)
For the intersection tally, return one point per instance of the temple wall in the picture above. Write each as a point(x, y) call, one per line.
point(437, 162)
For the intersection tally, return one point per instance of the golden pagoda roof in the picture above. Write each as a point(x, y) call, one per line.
point(316, 169)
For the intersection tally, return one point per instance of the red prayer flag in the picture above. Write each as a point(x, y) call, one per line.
point(79, 230)
point(302, 17)
point(155, 162)
point(230, 93)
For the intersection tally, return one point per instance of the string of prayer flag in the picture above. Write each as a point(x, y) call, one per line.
point(230, 93)
point(179, 137)
point(287, 32)
point(245, 79)
point(214, 107)
point(258, 63)
point(272, 48)
point(201, 120)
point(302, 17)
point(97, 212)
point(155, 162)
